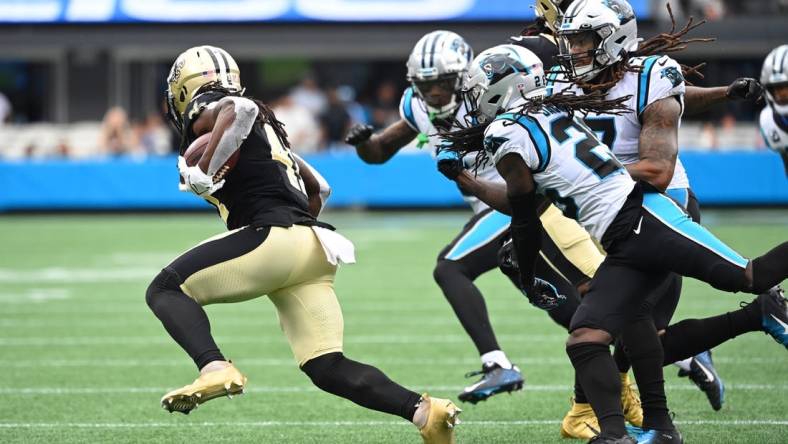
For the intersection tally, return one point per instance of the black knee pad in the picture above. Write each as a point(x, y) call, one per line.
point(321, 370)
point(166, 280)
point(445, 270)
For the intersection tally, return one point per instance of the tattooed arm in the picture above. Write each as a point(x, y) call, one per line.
point(379, 148)
point(658, 143)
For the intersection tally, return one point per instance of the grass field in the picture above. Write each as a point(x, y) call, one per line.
point(83, 359)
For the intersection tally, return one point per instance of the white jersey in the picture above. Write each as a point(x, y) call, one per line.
point(570, 165)
point(413, 110)
point(660, 78)
point(774, 129)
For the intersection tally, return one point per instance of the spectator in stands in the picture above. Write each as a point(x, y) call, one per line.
point(309, 96)
point(358, 114)
point(385, 110)
point(153, 136)
point(116, 137)
point(303, 130)
point(335, 120)
point(5, 109)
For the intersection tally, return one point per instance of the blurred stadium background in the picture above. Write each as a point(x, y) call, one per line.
point(81, 112)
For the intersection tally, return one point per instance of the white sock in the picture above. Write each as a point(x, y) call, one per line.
point(498, 357)
point(684, 365)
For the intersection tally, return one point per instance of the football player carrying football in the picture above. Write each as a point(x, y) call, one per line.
point(774, 117)
point(274, 247)
point(538, 143)
point(430, 107)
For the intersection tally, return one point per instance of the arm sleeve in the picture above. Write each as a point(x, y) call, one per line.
point(503, 137)
point(406, 110)
point(660, 77)
point(775, 138)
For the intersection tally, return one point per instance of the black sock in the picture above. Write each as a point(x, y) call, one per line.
point(580, 394)
point(361, 383)
point(598, 376)
point(645, 353)
point(692, 336)
point(770, 269)
point(621, 358)
point(468, 304)
point(183, 318)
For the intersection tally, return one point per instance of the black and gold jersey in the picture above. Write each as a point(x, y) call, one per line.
point(265, 187)
point(543, 45)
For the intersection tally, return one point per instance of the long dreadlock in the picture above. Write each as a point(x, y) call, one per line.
point(664, 43)
point(265, 116)
point(468, 140)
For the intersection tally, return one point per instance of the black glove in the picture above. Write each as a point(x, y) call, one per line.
point(540, 293)
point(359, 134)
point(744, 88)
point(449, 163)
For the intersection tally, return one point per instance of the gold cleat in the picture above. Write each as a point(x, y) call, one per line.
point(225, 382)
point(580, 422)
point(443, 417)
point(630, 401)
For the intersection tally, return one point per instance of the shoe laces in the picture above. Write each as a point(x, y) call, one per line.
point(485, 369)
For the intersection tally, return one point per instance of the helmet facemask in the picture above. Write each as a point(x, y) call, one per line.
point(587, 63)
point(445, 103)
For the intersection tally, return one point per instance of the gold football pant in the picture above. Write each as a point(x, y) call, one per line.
point(572, 252)
point(286, 264)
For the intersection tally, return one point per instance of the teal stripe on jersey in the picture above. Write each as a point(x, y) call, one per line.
point(680, 195)
point(666, 210)
point(554, 71)
point(483, 232)
point(538, 137)
point(645, 80)
point(407, 108)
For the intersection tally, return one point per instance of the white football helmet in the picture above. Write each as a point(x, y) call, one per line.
point(440, 57)
point(498, 78)
point(611, 24)
point(774, 73)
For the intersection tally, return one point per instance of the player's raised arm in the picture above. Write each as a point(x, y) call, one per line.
point(658, 143)
point(380, 147)
point(698, 100)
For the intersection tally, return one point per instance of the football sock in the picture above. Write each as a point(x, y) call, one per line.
point(580, 395)
point(689, 337)
point(467, 302)
point(599, 377)
point(645, 353)
point(497, 357)
point(770, 269)
point(183, 318)
point(361, 383)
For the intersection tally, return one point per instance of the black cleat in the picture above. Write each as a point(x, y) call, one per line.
point(495, 379)
point(626, 439)
point(704, 375)
point(774, 314)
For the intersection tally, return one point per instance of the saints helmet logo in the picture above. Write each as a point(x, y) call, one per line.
point(672, 74)
point(175, 73)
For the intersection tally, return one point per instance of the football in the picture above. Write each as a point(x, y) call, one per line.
point(193, 155)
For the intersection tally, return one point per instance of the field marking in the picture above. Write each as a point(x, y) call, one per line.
point(76, 275)
point(32, 391)
point(179, 424)
point(525, 362)
point(35, 296)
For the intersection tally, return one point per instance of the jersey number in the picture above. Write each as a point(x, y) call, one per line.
point(283, 155)
point(604, 127)
point(589, 150)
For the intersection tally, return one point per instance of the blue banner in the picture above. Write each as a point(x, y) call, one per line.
point(173, 11)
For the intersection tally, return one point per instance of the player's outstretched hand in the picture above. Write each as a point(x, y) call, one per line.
point(449, 163)
point(544, 295)
point(359, 134)
point(196, 180)
point(745, 88)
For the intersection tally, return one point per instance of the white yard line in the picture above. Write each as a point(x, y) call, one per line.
point(179, 424)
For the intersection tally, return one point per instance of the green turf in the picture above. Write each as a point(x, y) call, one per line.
point(84, 360)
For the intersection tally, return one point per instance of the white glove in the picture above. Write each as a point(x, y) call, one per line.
point(195, 180)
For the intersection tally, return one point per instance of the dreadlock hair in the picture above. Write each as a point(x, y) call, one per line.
point(471, 139)
point(664, 43)
point(265, 116)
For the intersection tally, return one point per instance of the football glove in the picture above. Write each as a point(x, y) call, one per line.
point(358, 134)
point(449, 163)
point(540, 293)
point(196, 180)
point(744, 88)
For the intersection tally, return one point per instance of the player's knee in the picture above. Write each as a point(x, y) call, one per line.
point(581, 335)
point(321, 370)
point(726, 279)
point(165, 281)
point(445, 271)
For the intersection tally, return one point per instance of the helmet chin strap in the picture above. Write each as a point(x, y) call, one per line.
point(445, 110)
